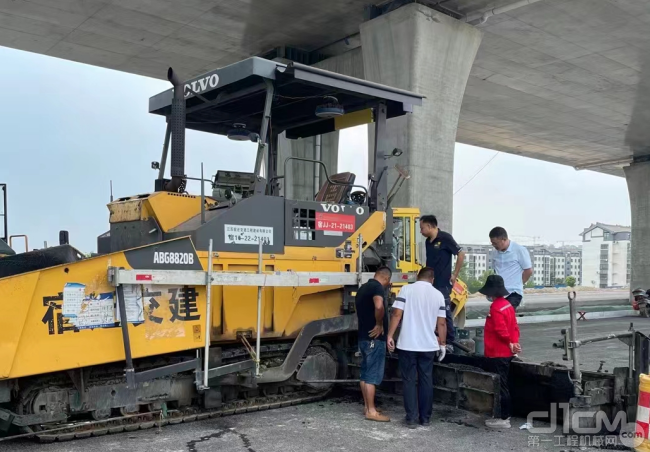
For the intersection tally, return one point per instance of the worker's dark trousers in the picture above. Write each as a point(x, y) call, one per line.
point(417, 384)
point(451, 332)
point(501, 367)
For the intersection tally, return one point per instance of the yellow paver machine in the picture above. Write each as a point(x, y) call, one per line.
point(236, 300)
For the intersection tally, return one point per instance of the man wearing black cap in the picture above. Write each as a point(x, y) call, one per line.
point(501, 342)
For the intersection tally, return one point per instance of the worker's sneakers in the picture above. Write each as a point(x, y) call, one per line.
point(498, 423)
point(377, 417)
point(411, 424)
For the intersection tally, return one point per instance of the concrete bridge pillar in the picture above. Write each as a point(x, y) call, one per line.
point(638, 185)
point(419, 49)
point(299, 180)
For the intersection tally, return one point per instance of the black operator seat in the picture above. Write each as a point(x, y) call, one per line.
point(335, 193)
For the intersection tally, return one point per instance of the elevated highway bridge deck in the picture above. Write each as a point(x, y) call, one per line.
point(556, 80)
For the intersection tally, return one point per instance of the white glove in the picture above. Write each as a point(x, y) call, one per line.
point(442, 353)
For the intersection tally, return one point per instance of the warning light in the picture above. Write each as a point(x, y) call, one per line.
point(314, 280)
point(143, 278)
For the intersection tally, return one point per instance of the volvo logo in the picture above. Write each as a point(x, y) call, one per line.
point(201, 85)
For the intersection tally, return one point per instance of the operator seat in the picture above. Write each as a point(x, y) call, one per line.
point(336, 193)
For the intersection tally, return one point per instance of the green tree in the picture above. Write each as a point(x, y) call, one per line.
point(486, 274)
point(464, 273)
point(571, 281)
point(559, 281)
point(474, 284)
point(530, 284)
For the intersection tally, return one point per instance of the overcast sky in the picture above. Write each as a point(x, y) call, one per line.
point(67, 129)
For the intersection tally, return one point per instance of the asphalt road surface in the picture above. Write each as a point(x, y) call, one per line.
point(332, 425)
point(537, 342)
point(336, 424)
point(547, 301)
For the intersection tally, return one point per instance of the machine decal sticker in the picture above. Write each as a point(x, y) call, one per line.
point(247, 235)
point(73, 297)
point(333, 222)
point(53, 318)
point(167, 308)
point(182, 304)
point(132, 303)
point(201, 85)
point(171, 255)
point(97, 311)
point(87, 311)
point(341, 208)
point(162, 257)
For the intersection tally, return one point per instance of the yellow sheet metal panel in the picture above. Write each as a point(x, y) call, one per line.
point(172, 209)
point(37, 338)
point(353, 119)
point(12, 293)
point(48, 341)
point(268, 306)
point(370, 231)
point(127, 210)
point(287, 298)
point(240, 304)
point(216, 308)
point(321, 305)
point(406, 211)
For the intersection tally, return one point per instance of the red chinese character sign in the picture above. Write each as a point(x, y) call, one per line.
point(335, 222)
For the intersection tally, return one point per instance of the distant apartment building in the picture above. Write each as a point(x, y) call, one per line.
point(606, 255)
point(478, 258)
point(553, 265)
point(550, 264)
point(573, 264)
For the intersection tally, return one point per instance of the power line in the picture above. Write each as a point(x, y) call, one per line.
point(477, 173)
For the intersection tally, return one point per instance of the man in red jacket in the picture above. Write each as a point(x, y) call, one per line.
point(501, 342)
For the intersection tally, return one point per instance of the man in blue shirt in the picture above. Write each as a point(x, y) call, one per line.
point(512, 262)
point(441, 246)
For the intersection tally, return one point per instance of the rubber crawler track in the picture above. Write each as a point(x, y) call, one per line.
point(143, 421)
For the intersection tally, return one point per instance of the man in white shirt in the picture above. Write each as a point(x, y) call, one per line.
point(421, 308)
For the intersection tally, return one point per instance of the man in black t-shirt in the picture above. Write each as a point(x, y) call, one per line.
point(441, 246)
point(373, 325)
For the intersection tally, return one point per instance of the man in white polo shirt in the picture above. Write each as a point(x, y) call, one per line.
point(421, 308)
point(512, 263)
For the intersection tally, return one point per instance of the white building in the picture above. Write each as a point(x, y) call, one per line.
point(553, 265)
point(573, 265)
point(606, 255)
point(543, 266)
point(477, 258)
point(550, 264)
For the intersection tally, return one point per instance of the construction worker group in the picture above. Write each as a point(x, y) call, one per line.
point(422, 312)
